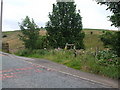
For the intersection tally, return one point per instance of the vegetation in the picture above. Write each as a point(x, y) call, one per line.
point(115, 19)
point(4, 36)
point(108, 57)
point(12, 38)
point(85, 61)
point(90, 41)
point(114, 7)
point(113, 38)
point(30, 33)
point(107, 38)
point(65, 26)
point(42, 42)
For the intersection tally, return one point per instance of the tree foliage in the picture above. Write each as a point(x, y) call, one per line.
point(30, 33)
point(65, 26)
point(42, 42)
point(106, 38)
point(116, 42)
point(114, 7)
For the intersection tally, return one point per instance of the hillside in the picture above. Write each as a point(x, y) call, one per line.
point(90, 41)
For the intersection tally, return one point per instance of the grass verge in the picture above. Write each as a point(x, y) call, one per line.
point(84, 62)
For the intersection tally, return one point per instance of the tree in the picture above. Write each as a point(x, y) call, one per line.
point(114, 7)
point(65, 26)
point(42, 42)
point(30, 33)
point(106, 38)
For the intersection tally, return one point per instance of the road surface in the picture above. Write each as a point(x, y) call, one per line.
point(18, 73)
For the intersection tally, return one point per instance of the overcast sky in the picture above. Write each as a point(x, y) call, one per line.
point(94, 15)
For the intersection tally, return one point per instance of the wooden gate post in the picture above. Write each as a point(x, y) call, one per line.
point(96, 51)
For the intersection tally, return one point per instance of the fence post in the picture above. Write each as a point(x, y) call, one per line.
point(75, 53)
point(96, 51)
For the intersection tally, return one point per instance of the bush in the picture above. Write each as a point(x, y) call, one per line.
point(112, 40)
point(107, 38)
point(103, 31)
point(42, 42)
point(25, 52)
point(40, 52)
point(107, 58)
point(4, 36)
point(28, 52)
point(116, 43)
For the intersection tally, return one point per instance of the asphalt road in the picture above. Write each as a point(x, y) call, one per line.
point(17, 73)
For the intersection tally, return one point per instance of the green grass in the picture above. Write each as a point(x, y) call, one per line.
point(85, 62)
point(93, 41)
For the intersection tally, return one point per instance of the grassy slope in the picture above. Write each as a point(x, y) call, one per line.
point(91, 41)
point(13, 39)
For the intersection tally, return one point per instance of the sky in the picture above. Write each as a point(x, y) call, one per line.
point(93, 15)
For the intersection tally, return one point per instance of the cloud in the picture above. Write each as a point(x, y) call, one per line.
point(94, 15)
point(16, 10)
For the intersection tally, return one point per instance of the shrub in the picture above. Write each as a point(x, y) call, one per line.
point(4, 36)
point(25, 52)
point(40, 52)
point(91, 33)
point(107, 58)
point(112, 40)
point(103, 31)
point(42, 42)
point(106, 38)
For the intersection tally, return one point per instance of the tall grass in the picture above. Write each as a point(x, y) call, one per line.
point(85, 62)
